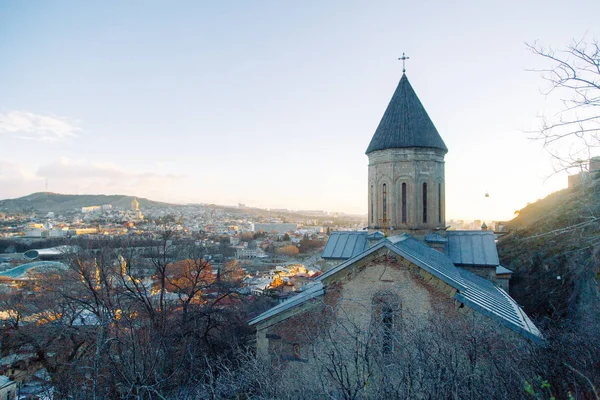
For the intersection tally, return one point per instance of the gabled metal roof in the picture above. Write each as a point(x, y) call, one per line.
point(315, 290)
point(398, 238)
point(502, 270)
point(474, 291)
point(431, 260)
point(405, 123)
point(472, 248)
point(343, 245)
point(485, 297)
point(375, 235)
point(435, 238)
point(407, 247)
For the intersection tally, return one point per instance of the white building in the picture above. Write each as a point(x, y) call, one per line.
point(243, 253)
point(90, 209)
point(279, 227)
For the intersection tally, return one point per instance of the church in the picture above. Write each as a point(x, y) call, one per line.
point(407, 265)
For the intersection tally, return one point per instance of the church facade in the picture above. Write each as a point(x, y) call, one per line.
point(413, 273)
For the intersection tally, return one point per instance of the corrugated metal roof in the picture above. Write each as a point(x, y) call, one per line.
point(375, 235)
point(407, 247)
point(485, 297)
point(472, 248)
point(435, 238)
point(343, 245)
point(405, 123)
point(398, 238)
point(315, 290)
point(431, 260)
point(352, 260)
point(476, 292)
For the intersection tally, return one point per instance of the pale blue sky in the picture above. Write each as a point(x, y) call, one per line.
point(272, 103)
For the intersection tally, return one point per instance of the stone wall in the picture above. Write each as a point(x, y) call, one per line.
point(349, 301)
point(485, 271)
point(413, 167)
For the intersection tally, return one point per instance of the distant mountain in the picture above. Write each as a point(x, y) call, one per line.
point(44, 202)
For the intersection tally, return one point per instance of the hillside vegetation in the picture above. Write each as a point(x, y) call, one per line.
point(554, 251)
point(44, 202)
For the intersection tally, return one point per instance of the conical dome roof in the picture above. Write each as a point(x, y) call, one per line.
point(405, 123)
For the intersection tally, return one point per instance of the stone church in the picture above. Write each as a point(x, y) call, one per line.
point(407, 263)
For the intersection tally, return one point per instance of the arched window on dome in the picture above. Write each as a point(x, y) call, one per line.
point(424, 203)
point(372, 205)
point(439, 203)
point(404, 203)
point(384, 200)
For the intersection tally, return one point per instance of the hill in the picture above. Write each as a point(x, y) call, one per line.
point(551, 205)
point(44, 202)
point(554, 250)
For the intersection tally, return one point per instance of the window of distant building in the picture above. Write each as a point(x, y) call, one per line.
point(404, 203)
point(424, 203)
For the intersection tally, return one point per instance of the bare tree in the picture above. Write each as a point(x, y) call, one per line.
point(572, 135)
point(411, 356)
point(102, 331)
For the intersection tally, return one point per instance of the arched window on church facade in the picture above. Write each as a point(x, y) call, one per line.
point(424, 203)
point(439, 203)
point(387, 316)
point(387, 329)
point(404, 203)
point(384, 200)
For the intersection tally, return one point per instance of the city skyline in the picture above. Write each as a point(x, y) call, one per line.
point(273, 105)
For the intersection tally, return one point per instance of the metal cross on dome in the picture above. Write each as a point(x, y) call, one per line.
point(385, 221)
point(403, 58)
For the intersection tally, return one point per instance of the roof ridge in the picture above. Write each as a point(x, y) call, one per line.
point(314, 290)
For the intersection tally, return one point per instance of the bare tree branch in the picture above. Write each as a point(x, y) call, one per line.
point(573, 134)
